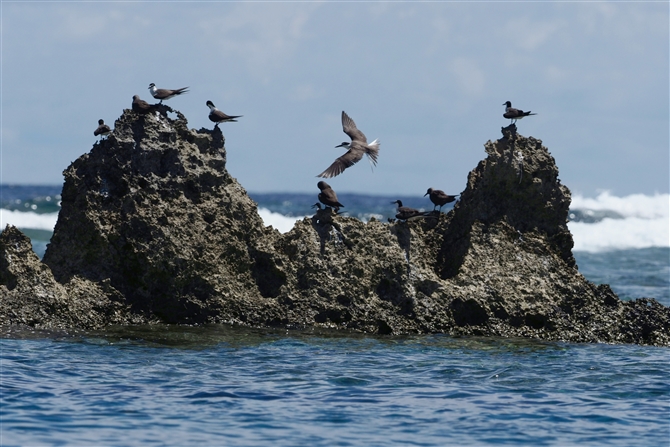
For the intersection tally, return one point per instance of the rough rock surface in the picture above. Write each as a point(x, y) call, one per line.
point(31, 296)
point(153, 228)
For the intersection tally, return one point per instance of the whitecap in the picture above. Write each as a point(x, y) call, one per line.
point(633, 205)
point(277, 220)
point(23, 219)
point(619, 234)
point(644, 222)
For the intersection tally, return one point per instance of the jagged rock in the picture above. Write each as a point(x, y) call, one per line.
point(153, 211)
point(153, 227)
point(31, 296)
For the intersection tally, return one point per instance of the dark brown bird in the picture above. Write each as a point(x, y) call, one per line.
point(358, 146)
point(165, 94)
point(328, 197)
point(407, 213)
point(439, 198)
point(141, 106)
point(514, 114)
point(103, 129)
point(217, 116)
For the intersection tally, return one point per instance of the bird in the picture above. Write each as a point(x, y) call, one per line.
point(141, 106)
point(165, 94)
point(407, 213)
point(217, 116)
point(514, 114)
point(355, 150)
point(439, 198)
point(328, 197)
point(103, 129)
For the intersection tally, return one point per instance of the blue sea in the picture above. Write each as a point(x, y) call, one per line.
point(235, 386)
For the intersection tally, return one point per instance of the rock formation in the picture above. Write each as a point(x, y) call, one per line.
point(154, 228)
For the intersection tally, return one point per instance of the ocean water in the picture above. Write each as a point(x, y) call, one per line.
point(222, 385)
point(219, 385)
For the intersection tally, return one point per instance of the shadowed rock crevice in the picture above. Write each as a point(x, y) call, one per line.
point(269, 278)
point(468, 312)
point(153, 228)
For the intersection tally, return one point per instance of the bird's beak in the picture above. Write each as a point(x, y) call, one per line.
point(341, 145)
point(425, 194)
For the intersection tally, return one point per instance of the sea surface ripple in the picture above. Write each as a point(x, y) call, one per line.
point(221, 385)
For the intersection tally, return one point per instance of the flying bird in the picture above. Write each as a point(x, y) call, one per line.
point(165, 94)
point(407, 213)
point(141, 106)
point(355, 150)
point(439, 198)
point(514, 114)
point(328, 197)
point(217, 116)
point(103, 129)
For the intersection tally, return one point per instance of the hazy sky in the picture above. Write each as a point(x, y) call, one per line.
point(427, 79)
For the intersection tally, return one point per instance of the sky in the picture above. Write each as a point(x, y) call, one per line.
point(428, 79)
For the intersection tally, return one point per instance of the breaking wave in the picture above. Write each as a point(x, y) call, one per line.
point(278, 220)
point(28, 220)
point(603, 223)
point(618, 223)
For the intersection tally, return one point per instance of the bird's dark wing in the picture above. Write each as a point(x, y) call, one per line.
point(102, 129)
point(439, 194)
point(405, 213)
point(163, 93)
point(141, 105)
point(349, 127)
point(218, 116)
point(512, 113)
point(328, 197)
point(342, 163)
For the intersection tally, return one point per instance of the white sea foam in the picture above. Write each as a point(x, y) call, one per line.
point(645, 223)
point(277, 220)
point(22, 219)
point(613, 234)
point(634, 205)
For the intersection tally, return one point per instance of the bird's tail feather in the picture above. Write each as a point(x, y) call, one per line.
point(373, 152)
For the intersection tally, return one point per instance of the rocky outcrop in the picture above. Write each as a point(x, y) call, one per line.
point(153, 228)
point(31, 296)
point(153, 211)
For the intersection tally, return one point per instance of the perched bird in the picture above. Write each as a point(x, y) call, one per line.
point(407, 213)
point(328, 197)
point(439, 198)
point(165, 94)
point(103, 129)
point(217, 116)
point(358, 146)
point(141, 106)
point(514, 114)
